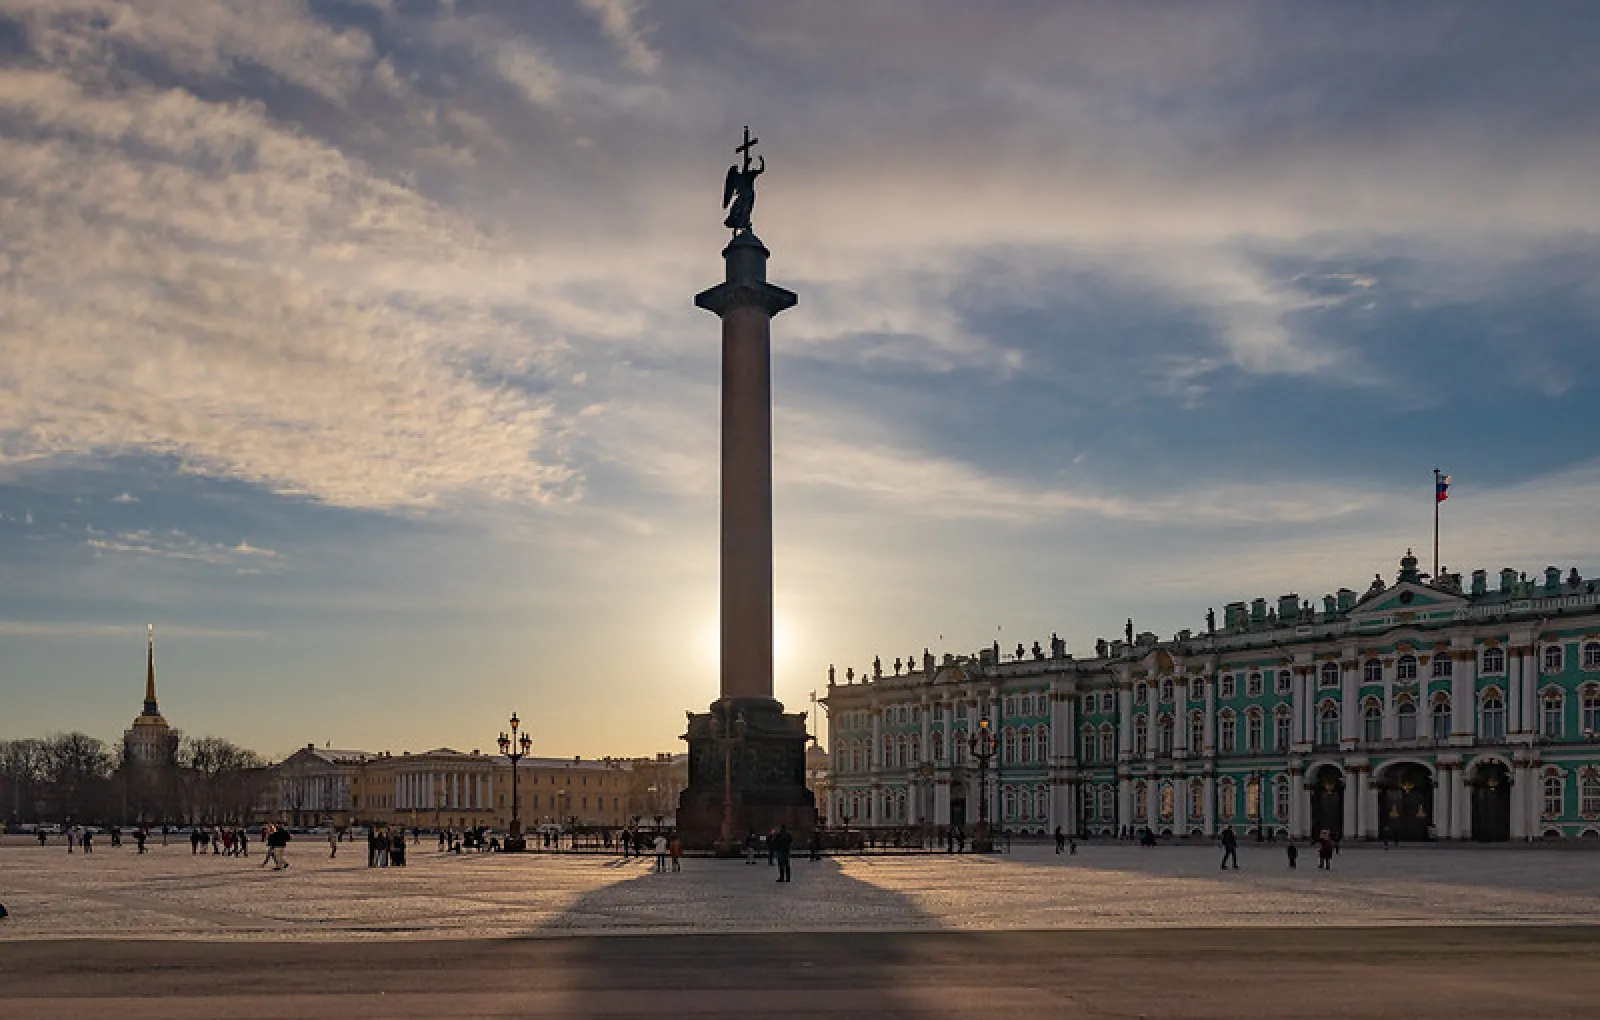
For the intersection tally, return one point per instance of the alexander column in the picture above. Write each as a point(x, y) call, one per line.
point(746, 755)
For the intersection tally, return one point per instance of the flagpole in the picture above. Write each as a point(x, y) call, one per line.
point(1435, 525)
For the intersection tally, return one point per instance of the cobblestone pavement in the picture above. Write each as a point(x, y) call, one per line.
point(172, 894)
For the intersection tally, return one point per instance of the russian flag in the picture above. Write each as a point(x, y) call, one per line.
point(1441, 488)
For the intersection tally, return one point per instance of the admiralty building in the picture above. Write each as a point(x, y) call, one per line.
point(1421, 709)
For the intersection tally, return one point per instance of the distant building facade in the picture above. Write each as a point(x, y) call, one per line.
point(1415, 710)
point(446, 788)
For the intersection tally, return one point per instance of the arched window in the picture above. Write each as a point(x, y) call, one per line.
point(1108, 742)
point(1088, 800)
point(888, 752)
point(1554, 797)
point(1090, 745)
point(938, 746)
point(1330, 674)
point(1141, 800)
point(1282, 728)
point(1252, 798)
point(1166, 797)
point(1108, 802)
point(1141, 733)
point(1492, 715)
point(1553, 719)
point(1441, 717)
point(958, 749)
point(1227, 799)
point(1591, 709)
point(1280, 798)
point(1197, 730)
point(1227, 732)
point(916, 750)
point(1041, 742)
point(1011, 804)
point(1009, 740)
point(1406, 668)
point(1285, 681)
point(1591, 655)
point(1494, 660)
point(1197, 799)
point(1252, 686)
point(1406, 718)
point(1552, 658)
point(1442, 664)
point(1328, 724)
point(1372, 722)
point(1164, 734)
point(1027, 747)
point(1252, 731)
point(1589, 793)
point(1372, 672)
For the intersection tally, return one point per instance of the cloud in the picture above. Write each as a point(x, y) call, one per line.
point(175, 544)
point(124, 497)
point(619, 21)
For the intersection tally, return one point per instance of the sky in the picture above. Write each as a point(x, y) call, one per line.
point(352, 344)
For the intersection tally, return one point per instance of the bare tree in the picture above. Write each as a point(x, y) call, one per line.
point(77, 768)
point(223, 778)
point(22, 767)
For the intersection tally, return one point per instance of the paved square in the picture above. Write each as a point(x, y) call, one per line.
point(171, 894)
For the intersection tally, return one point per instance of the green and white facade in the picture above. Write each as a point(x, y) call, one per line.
point(1419, 710)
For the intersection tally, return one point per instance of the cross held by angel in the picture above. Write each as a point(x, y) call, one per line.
point(739, 187)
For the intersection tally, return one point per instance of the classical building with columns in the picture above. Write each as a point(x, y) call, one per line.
point(446, 788)
point(1419, 709)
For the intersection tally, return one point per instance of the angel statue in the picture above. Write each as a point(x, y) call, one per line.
point(739, 188)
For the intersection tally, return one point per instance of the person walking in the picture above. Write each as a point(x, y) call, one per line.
point(139, 836)
point(1325, 849)
point(333, 844)
point(1061, 839)
point(772, 852)
point(244, 841)
point(750, 842)
point(267, 831)
point(1294, 854)
point(661, 853)
point(816, 843)
point(1230, 849)
point(88, 840)
point(194, 841)
point(675, 848)
point(277, 843)
point(779, 844)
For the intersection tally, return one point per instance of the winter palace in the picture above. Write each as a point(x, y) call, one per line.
point(1421, 709)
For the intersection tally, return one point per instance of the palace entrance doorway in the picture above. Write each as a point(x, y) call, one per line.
point(1491, 802)
point(1326, 784)
point(958, 810)
point(1405, 802)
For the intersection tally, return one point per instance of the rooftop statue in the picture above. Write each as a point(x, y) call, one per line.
point(739, 187)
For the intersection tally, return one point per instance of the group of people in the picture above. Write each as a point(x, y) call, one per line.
point(226, 842)
point(1327, 846)
point(385, 848)
point(81, 837)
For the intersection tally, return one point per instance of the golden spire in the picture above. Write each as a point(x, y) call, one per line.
point(150, 673)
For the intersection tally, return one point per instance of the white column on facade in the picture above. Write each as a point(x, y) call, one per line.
point(1065, 735)
point(1391, 719)
point(1124, 802)
point(1521, 793)
point(1211, 719)
point(1209, 804)
point(1531, 716)
point(1463, 682)
point(875, 753)
point(1297, 800)
point(927, 731)
point(1442, 789)
point(1298, 697)
point(1124, 720)
point(1180, 718)
point(1514, 718)
point(1350, 706)
point(1352, 797)
point(1369, 806)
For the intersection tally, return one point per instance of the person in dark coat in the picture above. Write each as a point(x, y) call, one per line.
point(1230, 849)
point(1325, 848)
point(779, 844)
point(1061, 839)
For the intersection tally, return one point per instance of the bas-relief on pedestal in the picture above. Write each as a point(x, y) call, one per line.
point(746, 755)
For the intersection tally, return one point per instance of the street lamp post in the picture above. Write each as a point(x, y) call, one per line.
point(981, 744)
point(515, 748)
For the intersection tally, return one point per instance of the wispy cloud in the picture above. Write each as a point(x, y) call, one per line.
point(83, 629)
point(619, 19)
point(175, 544)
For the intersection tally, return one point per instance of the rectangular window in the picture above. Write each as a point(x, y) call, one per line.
point(1553, 717)
point(1441, 722)
point(1253, 685)
point(1554, 802)
point(1226, 689)
point(1284, 734)
point(1591, 797)
point(1253, 734)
